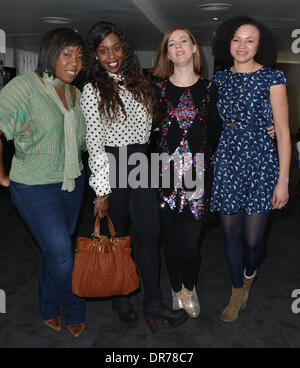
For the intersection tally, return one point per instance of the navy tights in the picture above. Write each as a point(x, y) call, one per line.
point(240, 229)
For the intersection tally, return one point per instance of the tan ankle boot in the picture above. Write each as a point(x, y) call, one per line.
point(231, 312)
point(190, 302)
point(248, 284)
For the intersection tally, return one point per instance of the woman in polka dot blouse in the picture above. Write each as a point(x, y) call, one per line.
point(118, 104)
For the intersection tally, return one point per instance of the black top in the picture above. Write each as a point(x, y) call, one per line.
point(189, 123)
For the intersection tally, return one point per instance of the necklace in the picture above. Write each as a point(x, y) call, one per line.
point(234, 109)
point(184, 84)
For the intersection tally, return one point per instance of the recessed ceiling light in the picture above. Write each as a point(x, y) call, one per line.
point(56, 20)
point(213, 6)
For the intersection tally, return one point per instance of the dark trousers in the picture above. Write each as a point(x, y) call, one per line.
point(138, 207)
point(180, 237)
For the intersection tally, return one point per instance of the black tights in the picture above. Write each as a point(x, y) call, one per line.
point(180, 235)
point(237, 228)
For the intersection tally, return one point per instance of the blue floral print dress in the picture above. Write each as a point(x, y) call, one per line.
point(245, 162)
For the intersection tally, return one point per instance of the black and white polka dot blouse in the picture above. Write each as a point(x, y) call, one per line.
point(101, 132)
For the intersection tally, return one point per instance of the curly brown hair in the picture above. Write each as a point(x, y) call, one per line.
point(266, 53)
point(110, 101)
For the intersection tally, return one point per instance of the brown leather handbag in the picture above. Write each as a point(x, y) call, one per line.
point(103, 265)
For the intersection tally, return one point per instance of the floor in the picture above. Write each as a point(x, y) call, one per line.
point(271, 320)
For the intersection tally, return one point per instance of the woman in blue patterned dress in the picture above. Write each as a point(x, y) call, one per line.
point(251, 174)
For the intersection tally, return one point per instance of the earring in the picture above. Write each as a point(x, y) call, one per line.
point(96, 57)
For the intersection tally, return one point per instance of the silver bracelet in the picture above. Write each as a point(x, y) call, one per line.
point(100, 200)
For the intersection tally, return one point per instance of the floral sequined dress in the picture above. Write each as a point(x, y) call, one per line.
point(190, 127)
point(245, 162)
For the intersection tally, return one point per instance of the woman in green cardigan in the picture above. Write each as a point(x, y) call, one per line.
point(40, 112)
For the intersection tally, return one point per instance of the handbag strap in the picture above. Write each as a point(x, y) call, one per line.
point(110, 227)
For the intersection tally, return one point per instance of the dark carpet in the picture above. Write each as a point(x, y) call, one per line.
point(268, 322)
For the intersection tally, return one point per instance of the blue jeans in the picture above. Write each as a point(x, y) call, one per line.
point(51, 215)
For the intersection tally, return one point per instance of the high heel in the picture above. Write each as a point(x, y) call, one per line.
point(151, 323)
point(122, 305)
point(158, 310)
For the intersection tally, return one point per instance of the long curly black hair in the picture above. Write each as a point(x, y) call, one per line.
point(266, 53)
point(110, 101)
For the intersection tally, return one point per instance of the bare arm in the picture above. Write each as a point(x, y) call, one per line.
point(280, 110)
point(4, 179)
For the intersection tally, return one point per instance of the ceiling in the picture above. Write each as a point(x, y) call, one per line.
point(145, 21)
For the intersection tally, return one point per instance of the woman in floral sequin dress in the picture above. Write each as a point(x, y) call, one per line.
point(189, 130)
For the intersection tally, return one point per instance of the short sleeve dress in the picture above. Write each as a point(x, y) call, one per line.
point(245, 162)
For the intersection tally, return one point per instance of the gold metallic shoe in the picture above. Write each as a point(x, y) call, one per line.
point(177, 300)
point(190, 302)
